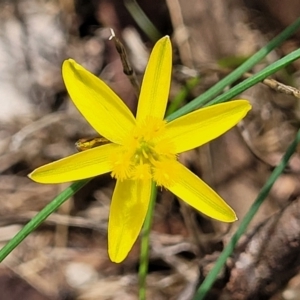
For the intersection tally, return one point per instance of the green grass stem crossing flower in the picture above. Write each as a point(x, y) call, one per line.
point(142, 149)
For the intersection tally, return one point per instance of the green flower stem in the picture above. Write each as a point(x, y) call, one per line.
point(211, 277)
point(144, 258)
point(41, 216)
point(237, 73)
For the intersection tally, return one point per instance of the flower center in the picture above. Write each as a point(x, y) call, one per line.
point(146, 154)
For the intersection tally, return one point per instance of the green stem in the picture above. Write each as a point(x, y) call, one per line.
point(211, 277)
point(144, 258)
point(41, 216)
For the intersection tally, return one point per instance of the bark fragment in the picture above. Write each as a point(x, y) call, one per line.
point(269, 257)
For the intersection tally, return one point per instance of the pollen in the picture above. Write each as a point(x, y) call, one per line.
point(146, 153)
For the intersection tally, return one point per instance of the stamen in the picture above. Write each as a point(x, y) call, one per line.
point(146, 154)
point(165, 172)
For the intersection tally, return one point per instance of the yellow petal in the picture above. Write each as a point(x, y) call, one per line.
point(101, 107)
point(156, 82)
point(195, 192)
point(86, 164)
point(127, 214)
point(205, 124)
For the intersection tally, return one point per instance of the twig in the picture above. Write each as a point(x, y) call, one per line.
point(278, 86)
point(127, 69)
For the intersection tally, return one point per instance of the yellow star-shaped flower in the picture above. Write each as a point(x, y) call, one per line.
point(142, 149)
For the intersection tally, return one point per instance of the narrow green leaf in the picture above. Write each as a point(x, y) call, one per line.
point(211, 277)
point(237, 73)
point(42, 216)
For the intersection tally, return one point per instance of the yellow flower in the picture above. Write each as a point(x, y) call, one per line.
point(142, 149)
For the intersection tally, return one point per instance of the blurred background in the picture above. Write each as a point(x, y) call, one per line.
point(66, 257)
